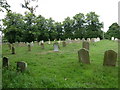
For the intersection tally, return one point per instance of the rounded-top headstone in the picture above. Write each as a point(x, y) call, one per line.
point(110, 58)
point(83, 56)
point(21, 66)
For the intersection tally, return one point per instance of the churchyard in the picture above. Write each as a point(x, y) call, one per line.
point(48, 68)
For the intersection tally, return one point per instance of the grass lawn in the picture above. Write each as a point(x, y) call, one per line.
point(48, 69)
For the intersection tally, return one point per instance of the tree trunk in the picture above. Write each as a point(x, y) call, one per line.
point(13, 49)
point(29, 47)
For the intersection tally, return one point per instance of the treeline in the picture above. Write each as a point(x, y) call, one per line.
point(31, 27)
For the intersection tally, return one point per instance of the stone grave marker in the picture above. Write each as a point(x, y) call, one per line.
point(49, 42)
point(21, 66)
point(92, 39)
point(85, 45)
point(112, 38)
point(5, 62)
point(56, 47)
point(88, 39)
point(64, 44)
point(42, 45)
point(110, 58)
point(83, 56)
point(83, 39)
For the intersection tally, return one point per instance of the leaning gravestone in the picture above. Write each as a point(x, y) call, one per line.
point(56, 47)
point(83, 56)
point(110, 58)
point(5, 62)
point(85, 45)
point(21, 66)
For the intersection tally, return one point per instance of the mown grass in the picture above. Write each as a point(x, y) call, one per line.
point(48, 69)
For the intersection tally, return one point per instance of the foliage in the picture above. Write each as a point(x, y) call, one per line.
point(114, 31)
point(13, 23)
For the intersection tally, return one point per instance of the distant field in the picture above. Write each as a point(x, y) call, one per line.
point(48, 69)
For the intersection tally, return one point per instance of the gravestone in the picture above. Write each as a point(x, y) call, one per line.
point(32, 43)
point(5, 62)
point(92, 39)
point(59, 41)
point(64, 44)
point(49, 42)
point(9, 45)
point(83, 39)
point(13, 50)
point(21, 66)
point(116, 39)
point(83, 56)
point(112, 38)
point(98, 39)
point(110, 58)
point(42, 45)
point(85, 45)
point(88, 39)
point(56, 47)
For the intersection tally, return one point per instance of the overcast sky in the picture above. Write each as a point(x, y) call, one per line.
point(60, 9)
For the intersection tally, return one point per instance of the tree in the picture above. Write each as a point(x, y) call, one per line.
point(58, 30)
point(13, 27)
point(93, 26)
point(41, 28)
point(79, 25)
point(4, 6)
point(51, 28)
point(68, 28)
point(29, 22)
point(113, 31)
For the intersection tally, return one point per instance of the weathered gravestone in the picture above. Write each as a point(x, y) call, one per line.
point(21, 66)
point(85, 45)
point(83, 56)
point(5, 62)
point(56, 47)
point(110, 58)
point(64, 44)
